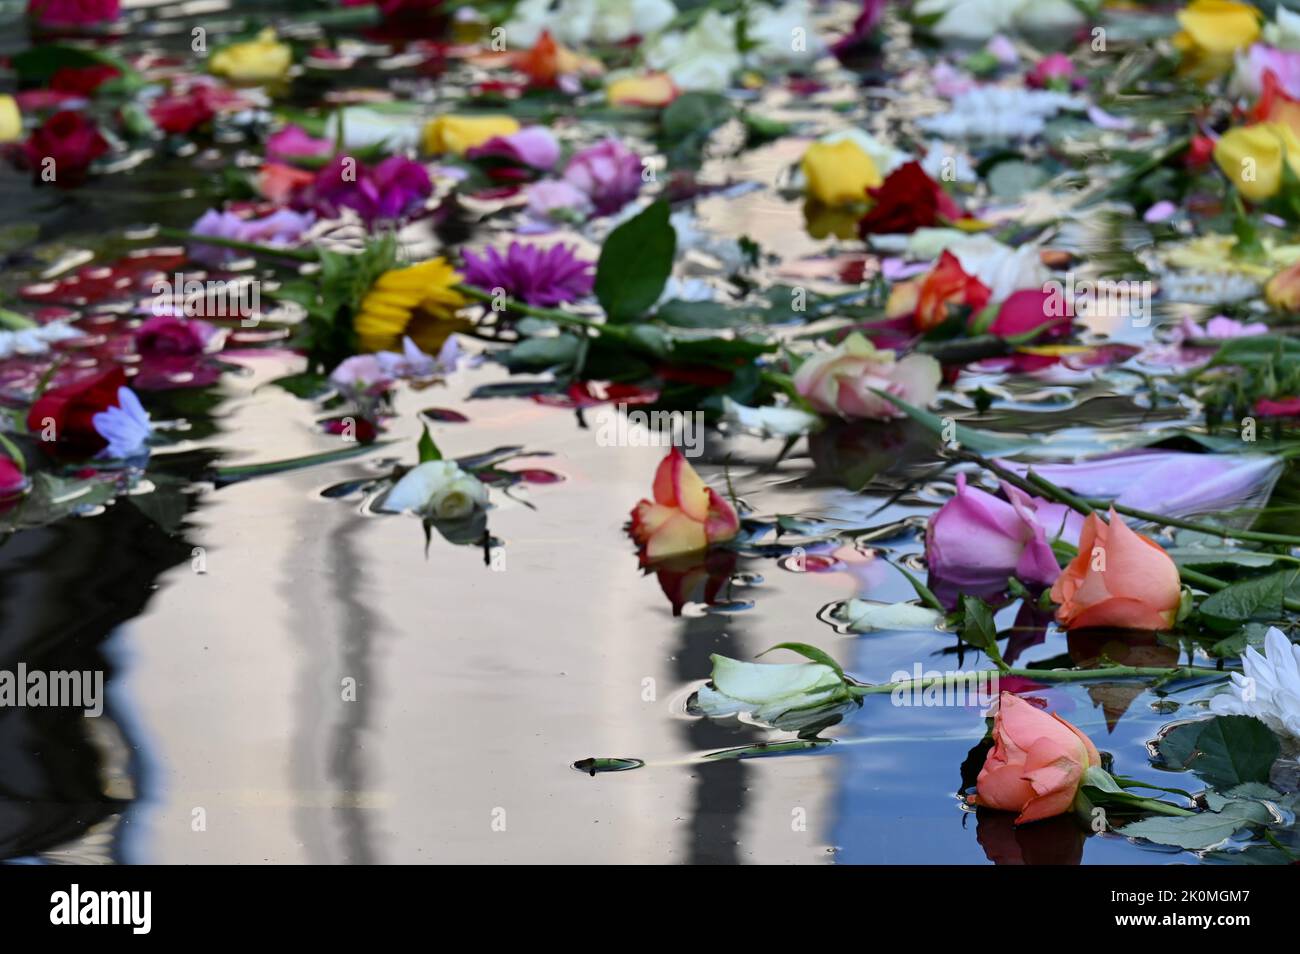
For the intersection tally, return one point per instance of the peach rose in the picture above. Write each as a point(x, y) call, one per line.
point(686, 515)
point(1120, 578)
point(841, 381)
point(1036, 764)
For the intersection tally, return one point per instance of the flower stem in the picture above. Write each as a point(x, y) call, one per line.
point(1046, 675)
point(305, 254)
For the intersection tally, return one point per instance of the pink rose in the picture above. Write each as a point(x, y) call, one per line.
point(842, 381)
point(12, 479)
point(1054, 70)
point(977, 538)
point(532, 146)
point(1036, 764)
point(65, 13)
point(554, 199)
point(608, 173)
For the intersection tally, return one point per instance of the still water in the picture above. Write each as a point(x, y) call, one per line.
point(294, 679)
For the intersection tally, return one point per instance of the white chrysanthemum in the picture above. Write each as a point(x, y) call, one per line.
point(1269, 689)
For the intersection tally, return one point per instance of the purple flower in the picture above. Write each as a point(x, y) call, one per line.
point(281, 227)
point(608, 173)
point(860, 33)
point(531, 274)
point(533, 146)
point(395, 188)
point(126, 427)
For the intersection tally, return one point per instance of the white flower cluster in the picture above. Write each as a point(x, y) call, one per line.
point(1000, 113)
point(37, 340)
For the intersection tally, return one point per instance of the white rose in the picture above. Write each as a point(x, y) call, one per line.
point(783, 35)
point(1284, 32)
point(862, 616)
point(368, 127)
point(617, 20)
point(438, 489)
point(789, 695)
point(703, 58)
point(769, 421)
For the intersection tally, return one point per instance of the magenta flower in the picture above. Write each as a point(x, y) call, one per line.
point(1054, 71)
point(67, 13)
point(282, 227)
point(533, 146)
point(608, 173)
point(293, 142)
point(531, 274)
point(976, 538)
point(392, 190)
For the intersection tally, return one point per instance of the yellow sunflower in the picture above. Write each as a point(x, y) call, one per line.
point(419, 300)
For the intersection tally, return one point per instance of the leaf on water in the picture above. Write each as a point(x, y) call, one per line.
point(1199, 831)
point(635, 263)
point(592, 766)
point(428, 450)
point(1234, 750)
point(1241, 601)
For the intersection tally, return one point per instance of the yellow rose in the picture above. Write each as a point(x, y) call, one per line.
point(253, 61)
point(11, 121)
point(1251, 157)
point(418, 300)
point(653, 89)
point(1212, 31)
point(456, 134)
point(1283, 289)
point(839, 173)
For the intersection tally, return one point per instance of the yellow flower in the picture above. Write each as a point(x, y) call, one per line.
point(839, 173)
point(455, 134)
point(1283, 289)
point(418, 300)
point(652, 89)
point(1251, 156)
point(253, 61)
point(1212, 31)
point(11, 121)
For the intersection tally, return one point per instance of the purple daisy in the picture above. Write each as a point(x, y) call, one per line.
point(536, 276)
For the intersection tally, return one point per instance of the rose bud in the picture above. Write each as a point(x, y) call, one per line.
point(686, 515)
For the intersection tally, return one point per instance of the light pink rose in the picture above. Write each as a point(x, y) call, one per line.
point(842, 381)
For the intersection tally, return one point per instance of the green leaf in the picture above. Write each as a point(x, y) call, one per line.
point(427, 448)
point(304, 384)
point(542, 354)
point(1199, 831)
point(1234, 750)
point(229, 475)
point(635, 263)
point(1243, 600)
point(808, 652)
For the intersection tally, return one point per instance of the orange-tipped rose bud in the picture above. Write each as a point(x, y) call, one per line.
point(1120, 578)
point(1036, 764)
point(686, 514)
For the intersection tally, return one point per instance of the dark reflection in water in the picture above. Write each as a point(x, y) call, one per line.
point(63, 590)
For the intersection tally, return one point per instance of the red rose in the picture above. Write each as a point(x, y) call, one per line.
point(12, 479)
point(181, 113)
point(69, 410)
point(82, 80)
point(908, 200)
point(165, 336)
point(68, 138)
point(1026, 310)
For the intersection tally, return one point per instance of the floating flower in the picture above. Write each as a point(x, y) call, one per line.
point(976, 538)
point(1269, 688)
point(369, 374)
point(788, 695)
point(537, 276)
point(65, 145)
point(863, 616)
point(1025, 310)
point(652, 89)
point(392, 190)
point(401, 299)
point(180, 113)
point(533, 146)
point(167, 336)
point(73, 13)
point(842, 381)
point(125, 426)
point(608, 173)
point(947, 285)
point(579, 21)
point(283, 228)
point(1037, 762)
point(281, 183)
point(11, 120)
point(555, 200)
point(839, 173)
point(1119, 578)
point(455, 135)
point(259, 60)
point(906, 201)
point(1212, 30)
point(63, 416)
point(702, 58)
point(437, 489)
point(979, 20)
point(1054, 71)
point(1252, 156)
point(1283, 289)
point(686, 514)
point(293, 142)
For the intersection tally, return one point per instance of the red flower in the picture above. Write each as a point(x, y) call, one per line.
point(68, 411)
point(82, 80)
point(947, 284)
point(71, 140)
point(1278, 407)
point(908, 200)
point(180, 113)
point(64, 13)
point(12, 479)
point(1200, 151)
point(1026, 310)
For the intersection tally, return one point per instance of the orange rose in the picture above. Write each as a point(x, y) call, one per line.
point(947, 284)
point(1036, 764)
point(686, 515)
point(1120, 578)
